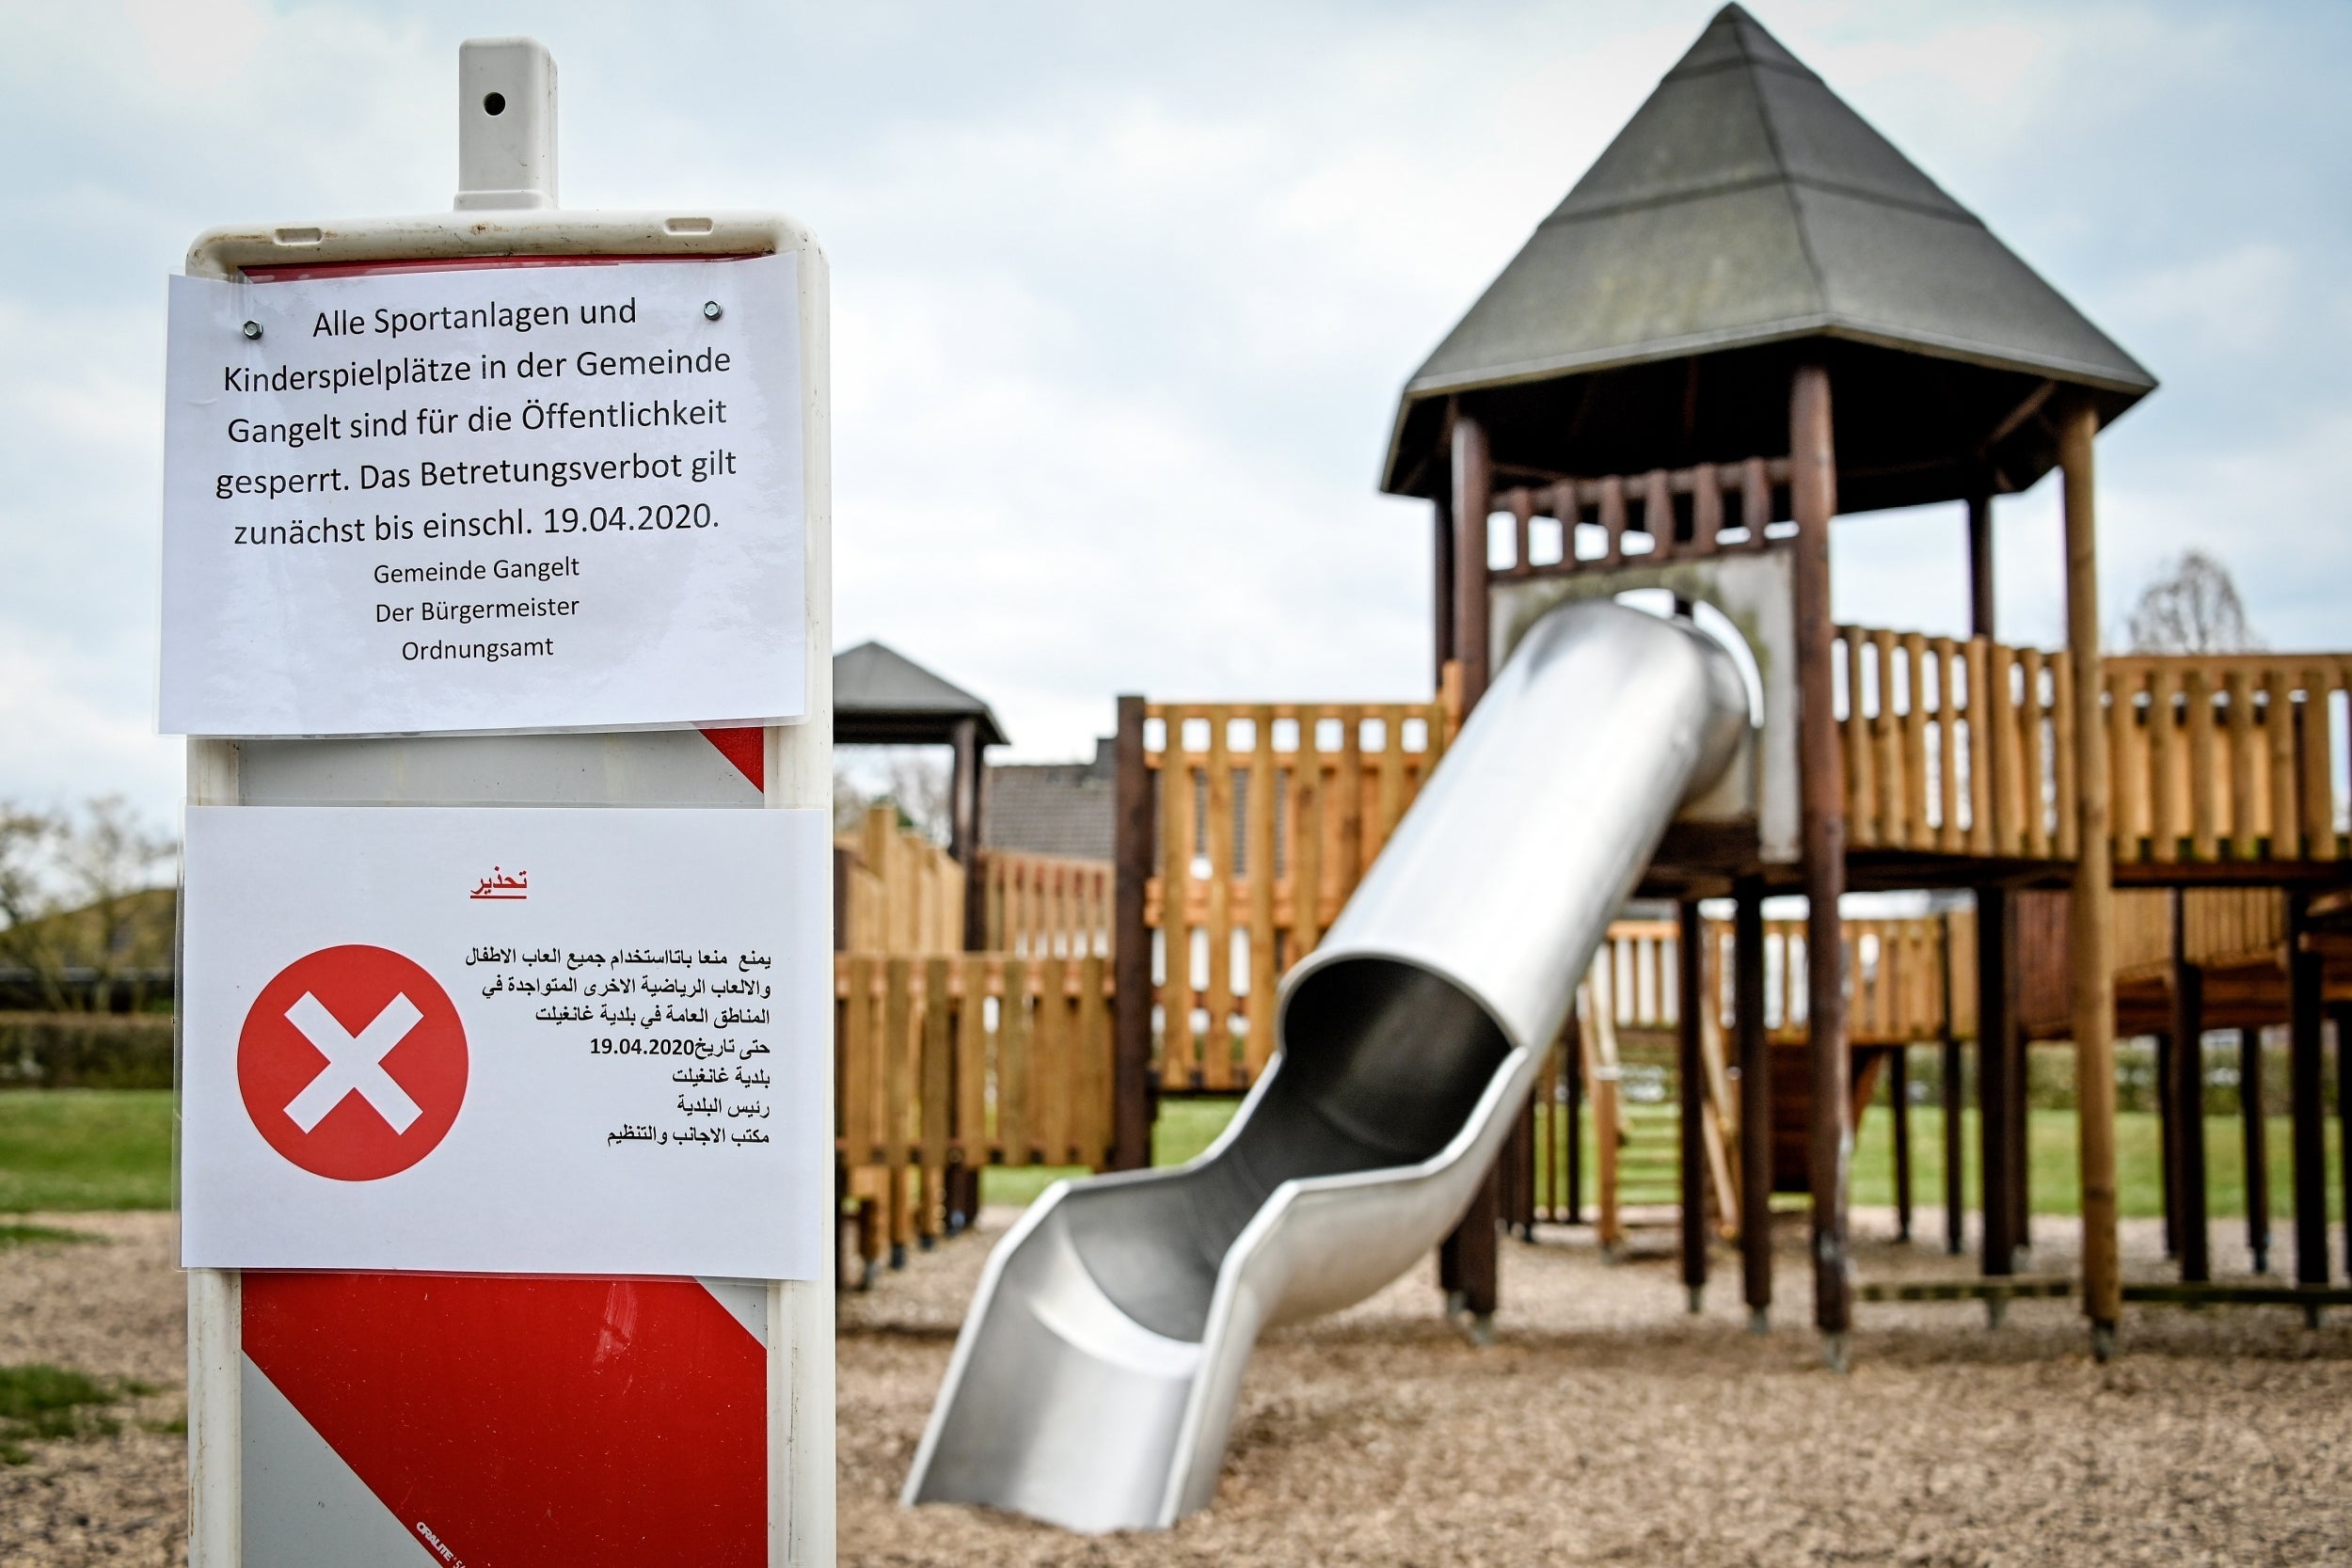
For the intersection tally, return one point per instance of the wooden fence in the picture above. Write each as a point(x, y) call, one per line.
point(896, 892)
point(1966, 748)
point(1041, 905)
point(961, 1061)
point(1269, 814)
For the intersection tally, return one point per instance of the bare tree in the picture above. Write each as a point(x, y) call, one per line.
point(82, 901)
point(2191, 607)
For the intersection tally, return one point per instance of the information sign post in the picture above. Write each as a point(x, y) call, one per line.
point(591, 571)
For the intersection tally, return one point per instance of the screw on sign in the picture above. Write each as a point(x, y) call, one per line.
point(353, 1063)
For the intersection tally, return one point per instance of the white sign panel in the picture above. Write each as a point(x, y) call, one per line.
point(509, 497)
point(507, 1040)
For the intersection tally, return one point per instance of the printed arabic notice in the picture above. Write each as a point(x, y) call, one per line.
point(511, 1041)
point(690, 1029)
point(533, 497)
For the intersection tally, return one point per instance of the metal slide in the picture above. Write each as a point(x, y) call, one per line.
point(1094, 1381)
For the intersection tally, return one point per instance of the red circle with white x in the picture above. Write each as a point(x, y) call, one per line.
point(353, 1063)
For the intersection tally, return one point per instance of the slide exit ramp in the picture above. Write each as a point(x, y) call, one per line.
point(1094, 1381)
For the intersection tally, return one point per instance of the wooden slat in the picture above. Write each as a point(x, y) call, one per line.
point(2032, 765)
point(1259, 853)
point(1307, 837)
point(1947, 833)
point(1522, 531)
point(2243, 816)
point(1918, 833)
point(1176, 825)
point(2168, 814)
point(1707, 509)
point(1217, 1047)
point(2317, 748)
point(899, 1037)
point(1389, 802)
point(972, 1131)
point(2062, 730)
point(2009, 836)
point(1887, 736)
point(1349, 789)
point(859, 1133)
point(2286, 814)
point(1861, 817)
point(2127, 768)
point(2205, 778)
point(1050, 1064)
point(1013, 1136)
point(1979, 749)
point(938, 1074)
point(1756, 501)
point(1092, 1124)
point(1613, 518)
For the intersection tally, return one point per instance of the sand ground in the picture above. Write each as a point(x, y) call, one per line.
point(1606, 1424)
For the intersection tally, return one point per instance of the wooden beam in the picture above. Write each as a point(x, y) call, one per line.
point(1691, 1081)
point(1469, 1260)
point(1572, 1067)
point(1955, 1226)
point(964, 828)
point(1134, 836)
point(2304, 1104)
point(2343, 1016)
point(1755, 1100)
point(2256, 1140)
point(1472, 500)
point(2092, 930)
point(1898, 1105)
point(1441, 582)
point(2188, 1100)
point(1813, 492)
point(1996, 1029)
point(1981, 565)
point(2168, 1143)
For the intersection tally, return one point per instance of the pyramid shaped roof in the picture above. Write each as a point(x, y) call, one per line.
point(881, 696)
point(1745, 206)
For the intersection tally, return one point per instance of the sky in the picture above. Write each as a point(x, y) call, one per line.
point(1123, 297)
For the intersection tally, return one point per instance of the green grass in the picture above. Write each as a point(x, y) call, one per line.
point(40, 1402)
point(1185, 1129)
point(64, 1149)
point(14, 1235)
point(2052, 1183)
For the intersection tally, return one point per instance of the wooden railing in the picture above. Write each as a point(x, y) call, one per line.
point(1043, 906)
point(902, 893)
point(1966, 748)
point(1269, 814)
point(2227, 756)
point(1565, 526)
point(963, 1061)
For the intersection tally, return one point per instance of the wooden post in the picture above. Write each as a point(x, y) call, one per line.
point(2168, 1143)
point(1996, 1026)
point(964, 829)
point(1955, 1226)
point(1813, 489)
point(2091, 934)
point(1691, 1081)
point(1441, 583)
point(1472, 502)
point(1134, 833)
point(1981, 565)
point(1572, 1068)
point(1469, 1260)
point(1755, 1100)
point(2304, 1104)
point(2257, 1141)
point(2344, 1119)
point(1898, 1105)
point(2189, 1098)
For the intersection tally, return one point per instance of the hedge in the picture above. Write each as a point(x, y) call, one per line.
point(85, 1051)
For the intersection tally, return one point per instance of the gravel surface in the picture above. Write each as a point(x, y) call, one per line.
point(1605, 1424)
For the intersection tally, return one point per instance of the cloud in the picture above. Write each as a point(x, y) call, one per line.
point(1123, 299)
